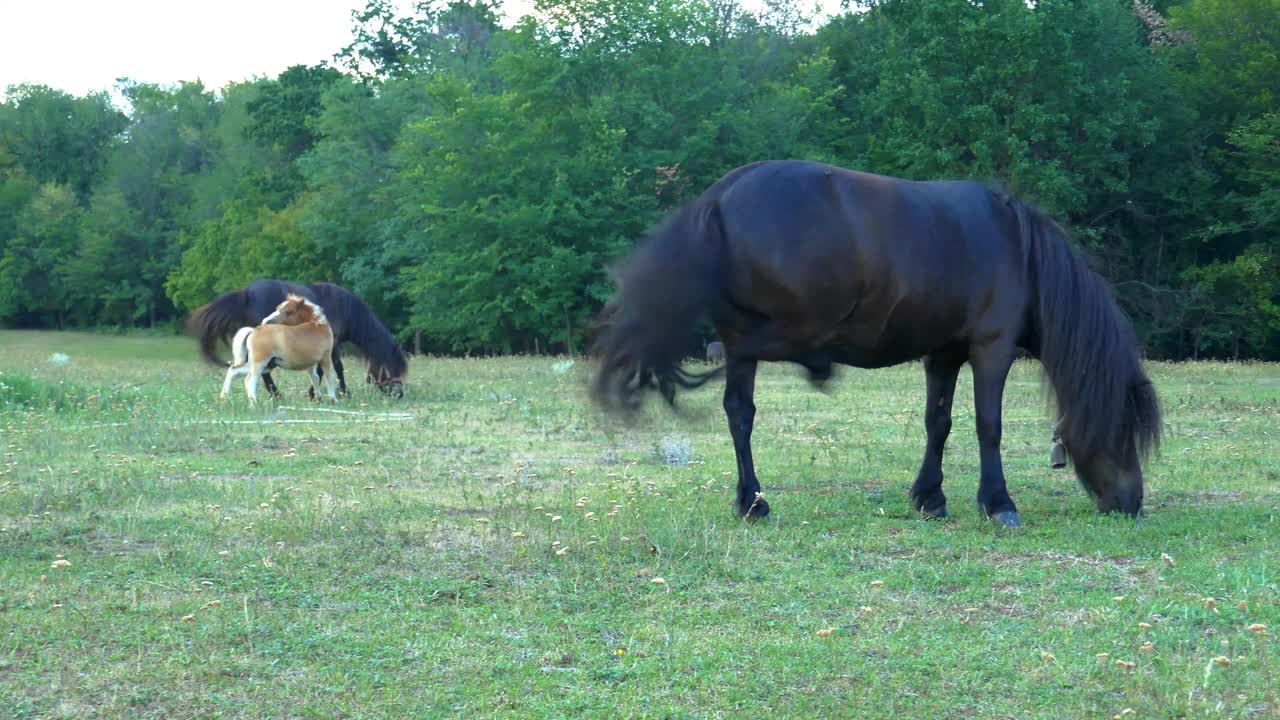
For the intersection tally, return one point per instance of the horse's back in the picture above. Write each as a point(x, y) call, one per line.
point(265, 294)
point(885, 267)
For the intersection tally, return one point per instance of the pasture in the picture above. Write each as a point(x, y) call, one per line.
point(488, 547)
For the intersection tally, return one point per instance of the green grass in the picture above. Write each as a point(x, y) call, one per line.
point(352, 569)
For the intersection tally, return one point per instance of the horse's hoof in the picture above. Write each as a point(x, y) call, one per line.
point(758, 510)
point(935, 514)
point(1058, 456)
point(1008, 518)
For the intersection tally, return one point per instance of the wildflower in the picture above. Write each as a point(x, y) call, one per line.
point(620, 652)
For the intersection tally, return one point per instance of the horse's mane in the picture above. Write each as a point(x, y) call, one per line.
point(1086, 345)
point(362, 328)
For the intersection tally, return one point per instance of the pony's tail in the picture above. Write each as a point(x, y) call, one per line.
point(217, 320)
point(240, 346)
point(666, 288)
point(1088, 349)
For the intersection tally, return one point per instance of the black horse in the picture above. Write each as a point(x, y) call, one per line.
point(817, 265)
point(351, 319)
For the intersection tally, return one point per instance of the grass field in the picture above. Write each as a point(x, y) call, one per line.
point(502, 552)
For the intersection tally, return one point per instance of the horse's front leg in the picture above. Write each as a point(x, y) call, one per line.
point(740, 408)
point(990, 370)
point(270, 384)
point(940, 375)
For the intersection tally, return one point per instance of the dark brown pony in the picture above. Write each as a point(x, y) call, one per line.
point(352, 321)
point(818, 265)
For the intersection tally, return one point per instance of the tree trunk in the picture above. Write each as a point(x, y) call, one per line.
point(568, 333)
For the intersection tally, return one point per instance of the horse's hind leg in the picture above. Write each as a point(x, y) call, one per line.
point(940, 371)
point(990, 370)
point(740, 408)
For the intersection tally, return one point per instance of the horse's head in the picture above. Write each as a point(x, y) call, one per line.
point(385, 380)
point(295, 310)
point(1112, 472)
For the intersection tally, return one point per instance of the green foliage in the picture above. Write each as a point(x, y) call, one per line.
point(473, 181)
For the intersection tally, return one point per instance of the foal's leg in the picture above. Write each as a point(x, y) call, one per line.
point(940, 371)
point(740, 408)
point(233, 372)
point(256, 368)
point(330, 382)
point(990, 370)
point(314, 375)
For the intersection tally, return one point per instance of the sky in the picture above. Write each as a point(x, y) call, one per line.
point(85, 45)
point(81, 46)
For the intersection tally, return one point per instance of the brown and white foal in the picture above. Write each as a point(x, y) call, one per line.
point(296, 336)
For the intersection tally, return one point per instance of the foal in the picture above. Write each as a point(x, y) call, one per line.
point(296, 336)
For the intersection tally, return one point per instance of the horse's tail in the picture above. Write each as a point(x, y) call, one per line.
point(240, 346)
point(1107, 403)
point(666, 288)
point(217, 320)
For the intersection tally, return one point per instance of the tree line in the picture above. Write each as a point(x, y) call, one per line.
point(472, 181)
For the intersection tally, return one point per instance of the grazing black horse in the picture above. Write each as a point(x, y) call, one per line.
point(817, 265)
point(351, 319)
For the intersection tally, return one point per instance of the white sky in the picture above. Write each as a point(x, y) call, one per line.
point(85, 45)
